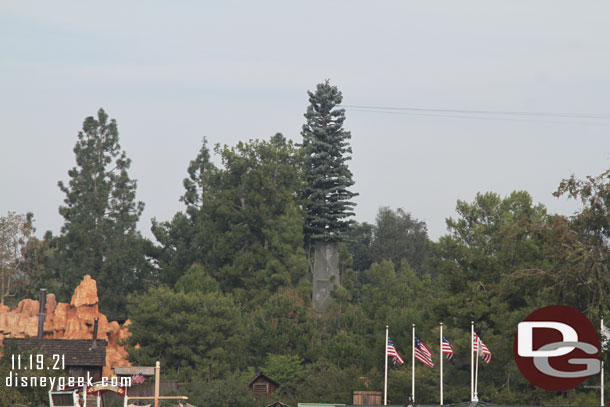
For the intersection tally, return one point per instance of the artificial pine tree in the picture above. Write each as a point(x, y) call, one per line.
point(327, 197)
point(99, 235)
point(326, 194)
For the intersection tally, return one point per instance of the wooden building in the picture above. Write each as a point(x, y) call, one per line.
point(81, 356)
point(368, 398)
point(262, 386)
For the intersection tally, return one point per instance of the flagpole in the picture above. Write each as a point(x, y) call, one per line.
point(601, 332)
point(476, 371)
point(471, 361)
point(385, 376)
point(602, 394)
point(440, 343)
point(413, 366)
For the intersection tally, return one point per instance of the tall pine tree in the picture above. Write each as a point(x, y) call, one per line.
point(327, 196)
point(243, 222)
point(182, 241)
point(99, 235)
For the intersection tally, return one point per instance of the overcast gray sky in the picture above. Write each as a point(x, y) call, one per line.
point(171, 73)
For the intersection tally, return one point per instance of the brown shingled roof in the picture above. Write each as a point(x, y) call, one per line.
point(265, 377)
point(78, 352)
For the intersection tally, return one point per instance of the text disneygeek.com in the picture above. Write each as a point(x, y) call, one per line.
point(60, 383)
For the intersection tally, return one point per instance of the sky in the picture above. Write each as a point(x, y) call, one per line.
point(172, 73)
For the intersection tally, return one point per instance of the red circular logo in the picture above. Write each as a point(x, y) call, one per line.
point(556, 348)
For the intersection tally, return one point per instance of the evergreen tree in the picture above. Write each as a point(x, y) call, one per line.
point(398, 236)
point(15, 233)
point(190, 330)
point(99, 235)
point(243, 221)
point(326, 192)
point(38, 266)
point(181, 239)
point(196, 185)
point(359, 238)
point(214, 393)
point(250, 223)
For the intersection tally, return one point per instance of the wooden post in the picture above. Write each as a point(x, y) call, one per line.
point(157, 382)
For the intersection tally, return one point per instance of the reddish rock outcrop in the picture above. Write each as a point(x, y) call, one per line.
point(69, 321)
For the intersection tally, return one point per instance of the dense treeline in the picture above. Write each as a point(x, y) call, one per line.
point(225, 290)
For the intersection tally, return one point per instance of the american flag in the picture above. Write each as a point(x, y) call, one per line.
point(137, 378)
point(422, 353)
point(479, 347)
point(447, 348)
point(391, 350)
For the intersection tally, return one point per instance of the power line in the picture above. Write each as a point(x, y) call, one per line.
point(512, 119)
point(485, 112)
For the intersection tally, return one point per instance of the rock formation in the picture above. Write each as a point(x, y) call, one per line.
point(69, 321)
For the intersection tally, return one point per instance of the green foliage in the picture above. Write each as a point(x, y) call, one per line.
point(594, 193)
point(177, 249)
point(243, 222)
point(197, 184)
point(358, 240)
point(324, 382)
point(181, 240)
point(492, 238)
point(494, 267)
point(188, 331)
point(228, 392)
point(389, 291)
point(284, 369)
point(395, 236)
point(284, 324)
point(399, 236)
point(196, 279)
point(15, 234)
point(503, 258)
point(584, 268)
point(347, 349)
point(399, 384)
point(99, 235)
point(254, 226)
point(37, 266)
point(490, 243)
point(326, 193)
point(232, 290)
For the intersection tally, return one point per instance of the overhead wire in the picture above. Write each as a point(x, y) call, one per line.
point(486, 112)
point(468, 114)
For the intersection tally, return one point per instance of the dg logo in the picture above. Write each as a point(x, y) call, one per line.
point(556, 348)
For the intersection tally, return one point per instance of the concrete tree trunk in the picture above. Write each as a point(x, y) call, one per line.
point(325, 274)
